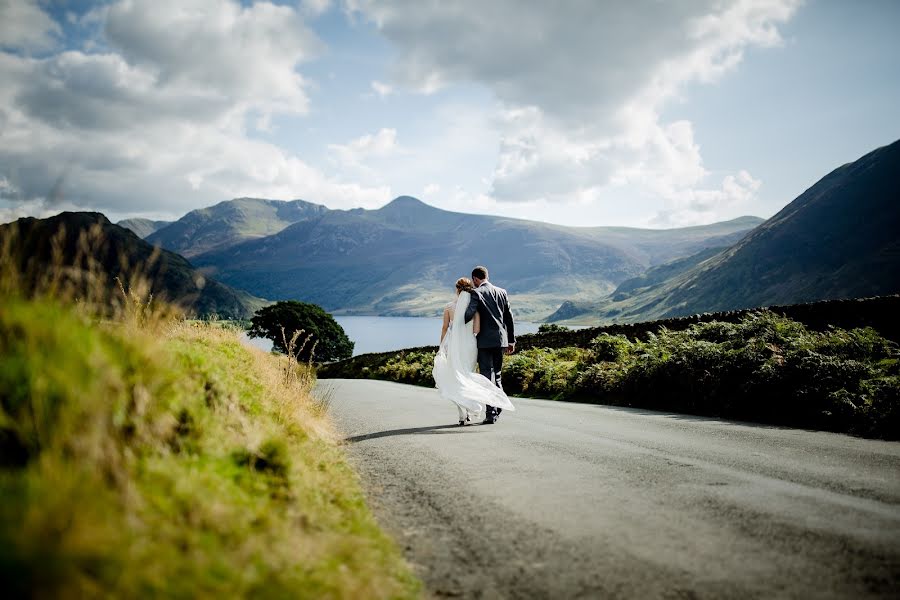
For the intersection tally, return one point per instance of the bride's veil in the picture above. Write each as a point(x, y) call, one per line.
point(462, 339)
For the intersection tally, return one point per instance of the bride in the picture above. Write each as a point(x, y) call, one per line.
point(454, 365)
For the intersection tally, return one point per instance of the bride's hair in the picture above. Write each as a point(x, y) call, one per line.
point(463, 284)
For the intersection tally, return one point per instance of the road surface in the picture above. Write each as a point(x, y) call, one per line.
point(564, 500)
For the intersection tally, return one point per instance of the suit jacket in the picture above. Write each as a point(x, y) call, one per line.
point(492, 305)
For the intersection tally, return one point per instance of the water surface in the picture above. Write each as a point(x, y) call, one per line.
point(381, 334)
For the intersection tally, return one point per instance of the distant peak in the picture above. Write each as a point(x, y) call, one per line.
point(405, 202)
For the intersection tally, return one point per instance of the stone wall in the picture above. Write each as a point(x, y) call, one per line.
point(881, 313)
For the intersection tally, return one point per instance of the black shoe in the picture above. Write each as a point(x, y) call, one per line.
point(461, 423)
point(489, 421)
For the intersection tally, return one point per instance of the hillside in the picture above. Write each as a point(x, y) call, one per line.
point(230, 222)
point(92, 243)
point(143, 227)
point(403, 258)
point(168, 460)
point(839, 239)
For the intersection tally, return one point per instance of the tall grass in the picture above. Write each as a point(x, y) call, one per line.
point(142, 455)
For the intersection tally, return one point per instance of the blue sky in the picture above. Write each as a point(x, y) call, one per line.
point(581, 113)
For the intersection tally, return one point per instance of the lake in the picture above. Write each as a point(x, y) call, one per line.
point(380, 334)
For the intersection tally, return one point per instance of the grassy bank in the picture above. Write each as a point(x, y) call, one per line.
point(168, 460)
point(765, 368)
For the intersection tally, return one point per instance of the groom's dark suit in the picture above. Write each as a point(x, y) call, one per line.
point(497, 332)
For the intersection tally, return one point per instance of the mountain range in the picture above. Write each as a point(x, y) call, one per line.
point(404, 258)
point(836, 240)
point(227, 223)
point(839, 239)
point(115, 251)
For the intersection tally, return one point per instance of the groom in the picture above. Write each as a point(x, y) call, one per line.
point(497, 333)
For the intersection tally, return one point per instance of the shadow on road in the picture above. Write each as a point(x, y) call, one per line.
point(407, 431)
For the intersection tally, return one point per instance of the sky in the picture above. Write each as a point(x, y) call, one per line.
point(638, 113)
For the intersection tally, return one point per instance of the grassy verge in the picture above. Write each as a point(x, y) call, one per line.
point(765, 368)
point(171, 461)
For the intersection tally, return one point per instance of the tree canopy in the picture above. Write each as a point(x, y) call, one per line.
point(551, 328)
point(331, 342)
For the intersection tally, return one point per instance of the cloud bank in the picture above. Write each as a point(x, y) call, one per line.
point(155, 107)
point(581, 86)
point(166, 104)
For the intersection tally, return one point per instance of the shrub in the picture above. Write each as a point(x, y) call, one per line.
point(542, 372)
point(610, 348)
point(716, 331)
point(408, 367)
point(860, 344)
point(602, 381)
point(880, 407)
point(551, 328)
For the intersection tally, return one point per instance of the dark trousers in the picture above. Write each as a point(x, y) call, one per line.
point(490, 360)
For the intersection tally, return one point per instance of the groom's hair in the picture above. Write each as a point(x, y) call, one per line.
point(480, 272)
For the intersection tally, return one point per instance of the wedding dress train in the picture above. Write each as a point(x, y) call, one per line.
point(454, 368)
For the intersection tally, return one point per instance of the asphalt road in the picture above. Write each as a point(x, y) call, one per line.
point(563, 500)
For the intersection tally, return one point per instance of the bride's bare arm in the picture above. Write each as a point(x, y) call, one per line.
point(446, 323)
point(476, 325)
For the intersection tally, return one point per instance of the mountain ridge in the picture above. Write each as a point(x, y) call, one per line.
point(143, 227)
point(402, 258)
point(119, 251)
point(838, 239)
point(229, 222)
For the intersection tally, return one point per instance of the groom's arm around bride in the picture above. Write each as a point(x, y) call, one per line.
point(497, 335)
point(492, 304)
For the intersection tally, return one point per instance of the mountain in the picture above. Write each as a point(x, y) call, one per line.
point(839, 239)
point(404, 258)
point(230, 222)
point(143, 227)
point(172, 277)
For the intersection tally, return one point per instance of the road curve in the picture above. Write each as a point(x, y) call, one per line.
point(566, 500)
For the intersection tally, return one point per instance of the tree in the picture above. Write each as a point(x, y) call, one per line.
point(328, 336)
point(551, 328)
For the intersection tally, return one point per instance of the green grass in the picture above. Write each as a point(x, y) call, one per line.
point(171, 461)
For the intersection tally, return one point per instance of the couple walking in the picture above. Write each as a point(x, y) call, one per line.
point(477, 329)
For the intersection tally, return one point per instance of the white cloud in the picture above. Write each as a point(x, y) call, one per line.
point(166, 117)
point(581, 84)
point(382, 89)
point(24, 26)
point(431, 189)
point(246, 55)
point(356, 152)
point(687, 206)
point(314, 7)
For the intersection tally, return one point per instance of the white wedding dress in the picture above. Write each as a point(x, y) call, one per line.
point(454, 368)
